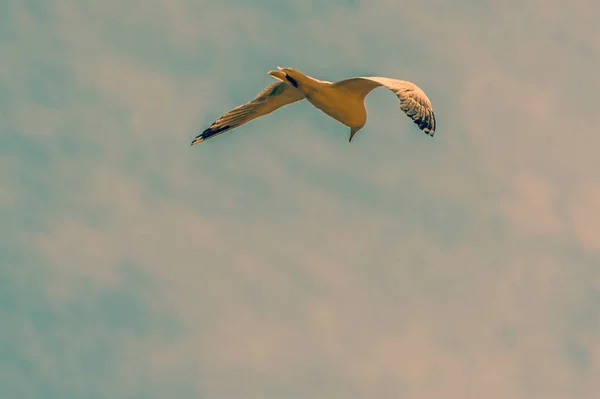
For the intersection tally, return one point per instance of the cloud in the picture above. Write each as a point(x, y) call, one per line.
point(277, 260)
point(584, 216)
point(532, 210)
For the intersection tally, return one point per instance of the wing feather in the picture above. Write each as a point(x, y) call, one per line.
point(413, 100)
point(272, 97)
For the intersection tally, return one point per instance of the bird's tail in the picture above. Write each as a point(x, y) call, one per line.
point(278, 75)
point(295, 78)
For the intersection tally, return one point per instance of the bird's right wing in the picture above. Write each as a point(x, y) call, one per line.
point(274, 96)
point(413, 100)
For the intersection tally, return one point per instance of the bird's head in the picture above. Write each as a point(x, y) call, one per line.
point(353, 131)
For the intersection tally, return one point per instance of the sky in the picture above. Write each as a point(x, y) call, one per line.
point(277, 260)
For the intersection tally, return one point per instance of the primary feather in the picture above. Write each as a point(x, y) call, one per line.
point(274, 96)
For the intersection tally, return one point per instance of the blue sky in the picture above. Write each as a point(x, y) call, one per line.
point(277, 260)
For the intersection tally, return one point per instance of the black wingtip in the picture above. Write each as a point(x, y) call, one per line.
point(291, 80)
point(208, 133)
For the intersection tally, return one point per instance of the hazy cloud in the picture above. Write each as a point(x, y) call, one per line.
point(277, 260)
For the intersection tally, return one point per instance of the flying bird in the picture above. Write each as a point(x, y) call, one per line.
point(342, 100)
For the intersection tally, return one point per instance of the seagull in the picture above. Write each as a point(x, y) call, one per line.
point(342, 100)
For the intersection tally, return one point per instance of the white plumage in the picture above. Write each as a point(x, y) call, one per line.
point(342, 100)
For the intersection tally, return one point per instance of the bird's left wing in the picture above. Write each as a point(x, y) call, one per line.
point(274, 96)
point(413, 100)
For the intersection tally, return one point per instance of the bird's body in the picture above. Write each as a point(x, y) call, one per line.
point(342, 100)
